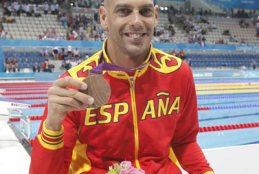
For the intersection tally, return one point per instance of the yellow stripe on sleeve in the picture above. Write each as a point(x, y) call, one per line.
point(51, 146)
point(55, 140)
point(52, 134)
point(209, 172)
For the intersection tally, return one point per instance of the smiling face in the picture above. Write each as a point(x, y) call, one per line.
point(130, 25)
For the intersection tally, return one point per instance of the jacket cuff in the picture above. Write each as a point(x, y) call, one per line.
point(51, 140)
point(209, 172)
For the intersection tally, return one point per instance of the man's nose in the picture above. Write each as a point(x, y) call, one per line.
point(136, 20)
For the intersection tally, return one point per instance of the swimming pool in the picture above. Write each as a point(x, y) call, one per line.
point(220, 102)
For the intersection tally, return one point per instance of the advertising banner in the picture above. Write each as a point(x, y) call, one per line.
point(239, 4)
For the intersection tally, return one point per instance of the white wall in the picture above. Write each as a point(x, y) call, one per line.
point(234, 160)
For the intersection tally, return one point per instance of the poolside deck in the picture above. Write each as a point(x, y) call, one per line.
point(242, 159)
point(227, 160)
point(13, 156)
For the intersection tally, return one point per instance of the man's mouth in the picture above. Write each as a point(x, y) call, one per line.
point(135, 36)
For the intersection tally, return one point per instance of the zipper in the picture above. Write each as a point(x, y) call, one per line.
point(132, 83)
point(135, 118)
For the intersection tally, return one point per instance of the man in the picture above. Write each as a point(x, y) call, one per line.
point(46, 8)
point(46, 66)
point(53, 8)
point(56, 8)
point(69, 51)
point(17, 7)
point(27, 10)
point(86, 56)
point(44, 52)
point(15, 65)
point(96, 16)
point(23, 8)
point(182, 55)
point(9, 10)
point(75, 34)
point(253, 64)
point(146, 120)
point(5, 6)
point(76, 52)
point(14, 4)
point(35, 11)
point(174, 52)
point(8, 65)
point(3, 35)
point(36, 67)
point(55, 52)
point(63, 20)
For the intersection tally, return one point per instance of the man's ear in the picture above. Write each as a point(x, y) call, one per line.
point(156, 14)
point(103, 17)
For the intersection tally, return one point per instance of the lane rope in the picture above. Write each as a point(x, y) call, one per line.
point(226, 97)
point(26, 98)
point(201, 129)
point(21, 93)
point(26, 89)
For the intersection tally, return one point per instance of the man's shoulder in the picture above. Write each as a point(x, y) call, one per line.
point(165, 63)
point(81, 71)
point(157, 52)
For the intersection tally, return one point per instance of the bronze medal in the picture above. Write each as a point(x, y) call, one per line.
point(98, 88)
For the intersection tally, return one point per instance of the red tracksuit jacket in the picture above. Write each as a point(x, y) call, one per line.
point(150, 120)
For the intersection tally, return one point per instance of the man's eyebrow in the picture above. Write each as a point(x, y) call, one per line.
point(147, 6)
point(129, 5)
point(123, 5)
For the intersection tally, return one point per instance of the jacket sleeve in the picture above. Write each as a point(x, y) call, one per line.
point(185, 147)
point(52, 150)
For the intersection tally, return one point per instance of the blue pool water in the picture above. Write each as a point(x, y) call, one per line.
point(226, 109)
point(38, 101)
point(228, 138)
point(33, 111)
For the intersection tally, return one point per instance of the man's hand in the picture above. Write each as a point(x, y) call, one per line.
point(62, 100)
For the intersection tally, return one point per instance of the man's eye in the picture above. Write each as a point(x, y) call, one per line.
point(123, 11)
point(146, 12)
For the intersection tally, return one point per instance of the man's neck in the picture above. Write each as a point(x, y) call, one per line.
point(125, 60)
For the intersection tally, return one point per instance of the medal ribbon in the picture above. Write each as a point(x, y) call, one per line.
point(111, 67)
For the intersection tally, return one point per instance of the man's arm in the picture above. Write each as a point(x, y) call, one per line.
point(52, 149)
point(184, 144)
point(51, 153)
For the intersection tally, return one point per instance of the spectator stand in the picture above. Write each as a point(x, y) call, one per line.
point(26, 27)
point(220, 60)
point(27, 56)
point(32, 27)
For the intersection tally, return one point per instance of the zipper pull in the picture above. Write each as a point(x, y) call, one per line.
point(132, 82)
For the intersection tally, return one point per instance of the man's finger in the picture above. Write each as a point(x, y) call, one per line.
point(72, 93)
point(66, 104)
point(70, 81)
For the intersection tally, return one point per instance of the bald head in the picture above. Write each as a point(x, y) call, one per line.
point(105, 3)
